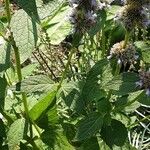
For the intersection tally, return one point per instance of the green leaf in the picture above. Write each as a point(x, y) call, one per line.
point(60, 26)
point(100, 21)
point(115, 134)
point(103, 105)
point(62, 142)
point(112, 11)
point(71, 94)
point(15, 134)
point(37, 83)
point(5, 51)
point(128, 103)
point(28, 70)
point(49, 10)
point(144, 49)
point(89, 126)
point(97, 77)
point(143, 98)
point(123, 84)
point(90, 144)
point(43, 104)
point(120, 132)
point(29, 6)
point(25, 32)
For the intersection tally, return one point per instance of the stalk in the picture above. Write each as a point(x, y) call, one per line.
point(66, 68)
point(126, 39)
point(18, 63)
point(7, 3)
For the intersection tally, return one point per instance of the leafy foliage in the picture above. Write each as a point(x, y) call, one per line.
point(74, 75)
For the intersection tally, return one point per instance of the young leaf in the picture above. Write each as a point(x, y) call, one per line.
point(40, 108)
point(25, 32)
point(89, 126)
point(15, 133)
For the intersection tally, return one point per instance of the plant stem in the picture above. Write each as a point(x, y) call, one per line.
point(117, 71)
point(7, 3)
point(66, 68)
point(17, 59)
point(126, 39)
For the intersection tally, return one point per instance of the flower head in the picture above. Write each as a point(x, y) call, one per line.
point(124, 55)
point(134, 14)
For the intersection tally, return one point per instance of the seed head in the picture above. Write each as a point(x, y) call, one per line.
point(124, 55)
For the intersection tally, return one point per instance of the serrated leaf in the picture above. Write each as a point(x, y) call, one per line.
point(25, 32)
point(57, 140)
point(89, 126)
point(39, 108)
point(97, 77)
point(15, 134)
point(37, 83)
point(128, 103)
point(49, 10)
point(123, 84)
point(114, 134)
point(60, 26)
point(71, 94)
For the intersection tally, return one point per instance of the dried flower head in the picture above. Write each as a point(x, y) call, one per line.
point(134, 14)
point(124, 55)
point(144, 82)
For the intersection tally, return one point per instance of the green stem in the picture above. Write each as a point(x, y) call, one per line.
point(7, 3)
point(17, 59)
point(117, 71)
point(66, 68)
point(137, 123)
point(126, 39)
